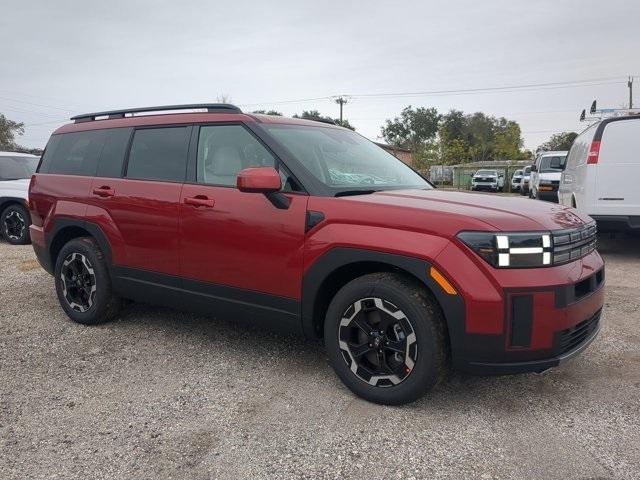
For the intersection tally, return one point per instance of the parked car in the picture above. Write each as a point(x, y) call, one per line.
point(491, 180)
point(545, 175)
point(602, 171)
point(15, 171)
point(515, 180)
point(524, 181)
point(310, 228)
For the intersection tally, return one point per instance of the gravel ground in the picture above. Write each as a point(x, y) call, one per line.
point(162, 394)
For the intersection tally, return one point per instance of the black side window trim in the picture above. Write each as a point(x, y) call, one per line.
point(125, 165)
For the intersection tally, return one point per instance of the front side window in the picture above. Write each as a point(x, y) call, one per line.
point(159, 154)
point(16, 168)
point(224, 150)
point(344, 160)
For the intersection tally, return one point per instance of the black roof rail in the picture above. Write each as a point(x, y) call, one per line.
point(210, 107)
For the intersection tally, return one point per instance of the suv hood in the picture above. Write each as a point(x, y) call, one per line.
point(15, 188)
point(475, 211)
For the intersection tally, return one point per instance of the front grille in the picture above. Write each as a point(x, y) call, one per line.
point(573, 337)
point(571, 244)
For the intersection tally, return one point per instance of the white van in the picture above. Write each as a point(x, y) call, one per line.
point(545, 175)
point(602, 171)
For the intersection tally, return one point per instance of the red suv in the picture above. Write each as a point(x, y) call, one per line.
point(311, 228)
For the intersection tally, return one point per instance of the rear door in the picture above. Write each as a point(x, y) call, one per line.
point(139, 206)
point(618, 169)
point(240, 254)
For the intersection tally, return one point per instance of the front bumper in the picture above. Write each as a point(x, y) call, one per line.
point(521, 320)
point(484, 186)
point(547, 195)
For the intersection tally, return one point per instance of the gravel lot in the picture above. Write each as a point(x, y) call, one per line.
point(162, 394)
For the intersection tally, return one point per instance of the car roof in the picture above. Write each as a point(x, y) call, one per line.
point(16, 154)
point(182, 118)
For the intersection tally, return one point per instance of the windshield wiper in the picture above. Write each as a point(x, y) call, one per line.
point(347, 193)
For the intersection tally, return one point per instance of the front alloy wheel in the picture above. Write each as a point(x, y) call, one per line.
point(385, 338)
point(378, 342)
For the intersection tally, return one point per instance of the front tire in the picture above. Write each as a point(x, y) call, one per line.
point(385, 338)
point(15, 222)
point(83, 283)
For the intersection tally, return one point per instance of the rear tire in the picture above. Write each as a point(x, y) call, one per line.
point(14, 222)
point(404, 355)
point(83, 283)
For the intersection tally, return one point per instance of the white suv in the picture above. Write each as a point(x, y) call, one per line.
point(15, 173)
point(545, 175)
point(601, 176)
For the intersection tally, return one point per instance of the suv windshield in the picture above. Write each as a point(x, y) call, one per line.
point(486, 173)
point(517, 173)
point(552, 163)
point(344, 160)
point(15, 168)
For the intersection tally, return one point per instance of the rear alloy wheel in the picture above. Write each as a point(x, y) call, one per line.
point(83, 283)
point(15, 222)
point(385, 338)
point(78, 282)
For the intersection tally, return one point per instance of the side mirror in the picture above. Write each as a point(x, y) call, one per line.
point(534, 168)
point(259, 180)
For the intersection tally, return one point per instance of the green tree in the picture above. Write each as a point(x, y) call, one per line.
point(558, 141)
point(8, 131)
point(414, 129)
point(316, 115)
point(268, 112)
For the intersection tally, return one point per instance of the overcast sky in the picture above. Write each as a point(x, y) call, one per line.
point(62, 58)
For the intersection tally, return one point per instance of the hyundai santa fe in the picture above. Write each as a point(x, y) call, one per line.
point(310, 228)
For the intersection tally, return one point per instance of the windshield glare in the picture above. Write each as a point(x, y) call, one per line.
point(553, 163)
point(343, 159)
point(15, 168)
point(487, 172)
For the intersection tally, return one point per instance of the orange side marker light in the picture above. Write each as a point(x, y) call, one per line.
point(442, 281)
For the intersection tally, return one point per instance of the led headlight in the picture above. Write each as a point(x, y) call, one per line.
point(511, 250)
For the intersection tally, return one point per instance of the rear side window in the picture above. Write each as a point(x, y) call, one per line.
point(224, 150)
point(73, 153)
point(159, 154)
point(96, 152)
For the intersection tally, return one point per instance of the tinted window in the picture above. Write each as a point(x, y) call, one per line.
point(113, 152)
point(14, 168)
point(73, 153)
point(159, 154)
point(224, 150)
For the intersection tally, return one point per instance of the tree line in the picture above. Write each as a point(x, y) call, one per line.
point(433, 137)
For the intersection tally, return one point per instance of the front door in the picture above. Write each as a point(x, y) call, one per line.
point(240, 255)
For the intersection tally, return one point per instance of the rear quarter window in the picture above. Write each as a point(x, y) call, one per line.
point(93, 153)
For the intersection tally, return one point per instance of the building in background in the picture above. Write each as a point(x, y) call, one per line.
point(403, 154)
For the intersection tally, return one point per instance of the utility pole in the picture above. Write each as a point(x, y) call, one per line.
point(629, 84)
point(341, 101)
